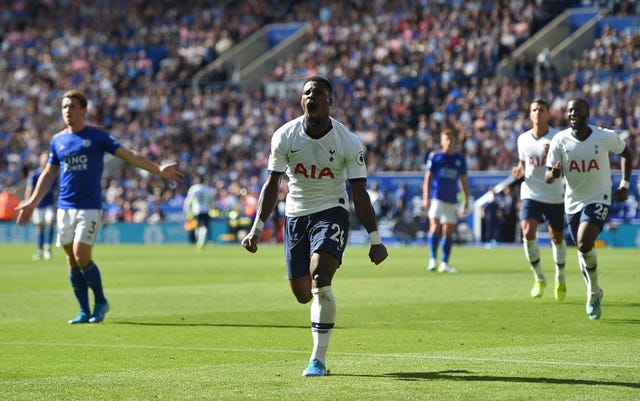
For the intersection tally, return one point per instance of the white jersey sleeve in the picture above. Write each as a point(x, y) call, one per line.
point(585, 165)
point(317, 168)
point(531, 151)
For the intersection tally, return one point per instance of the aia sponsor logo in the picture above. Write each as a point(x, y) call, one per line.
point(313, 172)
point(583, 166)
point(537, 161)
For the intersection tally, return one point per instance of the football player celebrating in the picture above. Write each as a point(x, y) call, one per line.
point(319, 155)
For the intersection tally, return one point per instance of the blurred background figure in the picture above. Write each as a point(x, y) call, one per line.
point(199, 201)
point(446, 171)
point(44, 213)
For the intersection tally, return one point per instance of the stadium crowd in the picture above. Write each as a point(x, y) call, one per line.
point(403, 70)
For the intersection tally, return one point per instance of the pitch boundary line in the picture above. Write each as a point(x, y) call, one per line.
point(369, 355)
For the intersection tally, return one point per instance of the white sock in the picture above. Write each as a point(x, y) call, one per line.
point(532, 252)
point(559, 257)
point(589, 266)
point(202, 235)
point(323, 317)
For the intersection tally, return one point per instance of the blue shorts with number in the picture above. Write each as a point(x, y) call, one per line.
point(552, 213)
point(595, 213)
point(322, 231)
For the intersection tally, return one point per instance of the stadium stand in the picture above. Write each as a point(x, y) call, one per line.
point(403, 70)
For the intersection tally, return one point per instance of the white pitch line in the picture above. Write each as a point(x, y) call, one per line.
point(369, 355)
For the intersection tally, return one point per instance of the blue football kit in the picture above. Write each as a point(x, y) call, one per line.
point(80, 156)
point(446, 170)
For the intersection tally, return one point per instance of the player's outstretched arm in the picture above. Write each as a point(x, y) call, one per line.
point(134, 158)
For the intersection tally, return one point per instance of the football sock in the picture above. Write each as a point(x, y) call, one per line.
point(40, 239)
point(589, 266)
point(201, 233)
point(80, 289)
point(446, 248)
point(532, 252)
point(559, 256)
point(435, 243)
point(323, 317)
point(91, 275)
point(51, 231)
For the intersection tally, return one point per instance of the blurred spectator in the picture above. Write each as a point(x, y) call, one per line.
point(403, 71)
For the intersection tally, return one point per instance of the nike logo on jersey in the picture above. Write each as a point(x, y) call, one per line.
point(295, 150)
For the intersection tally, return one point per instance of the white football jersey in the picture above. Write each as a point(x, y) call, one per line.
point(318, 169)
point(199, 199)
point(585, 165)
point(531, 152)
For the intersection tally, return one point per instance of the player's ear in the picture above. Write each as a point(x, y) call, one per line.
point(330, 100)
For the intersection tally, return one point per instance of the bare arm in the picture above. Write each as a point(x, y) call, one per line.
point(134, 158)
point(367, 216)
point(464, 182)
point(553, 173)
point(426, 189)
point(266, 203)
point(28, 190)
point(362, 203)
point(47, 178)
point(518, 170)
point(626, 158)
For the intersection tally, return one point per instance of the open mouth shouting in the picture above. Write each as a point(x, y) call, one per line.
point(312, 112)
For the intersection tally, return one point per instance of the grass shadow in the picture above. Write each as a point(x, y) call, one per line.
point(465, 375)
point(268, 326)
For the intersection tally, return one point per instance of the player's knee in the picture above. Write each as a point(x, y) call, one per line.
point(321, 280)
point(304, 298)
point(71, 262)
point(584, 247)
point(82, 260)
point(557, 239)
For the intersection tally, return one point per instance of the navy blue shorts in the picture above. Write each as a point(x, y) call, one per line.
point(595, 213)
point(552, 213)
point(203, 219)
point(303, 236)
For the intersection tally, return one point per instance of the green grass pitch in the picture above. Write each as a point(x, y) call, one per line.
point(223, 325)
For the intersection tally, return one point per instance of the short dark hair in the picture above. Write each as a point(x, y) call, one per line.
point(324, 81)
point(74, 93)
point(540, 101)
point(581, 101)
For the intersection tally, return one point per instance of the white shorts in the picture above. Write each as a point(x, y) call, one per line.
point(444, 212)
point(78, 225)
point(43, 215)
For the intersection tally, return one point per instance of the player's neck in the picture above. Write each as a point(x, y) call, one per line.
point(76, 129)
point(582, 133)
point(318, 130)
point(539, 130)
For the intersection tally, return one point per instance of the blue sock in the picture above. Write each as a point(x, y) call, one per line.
point(80, 289)
point(91, 275)
point(40, 239)
point(435, 243)
point(51, 230)
point(446, 249)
